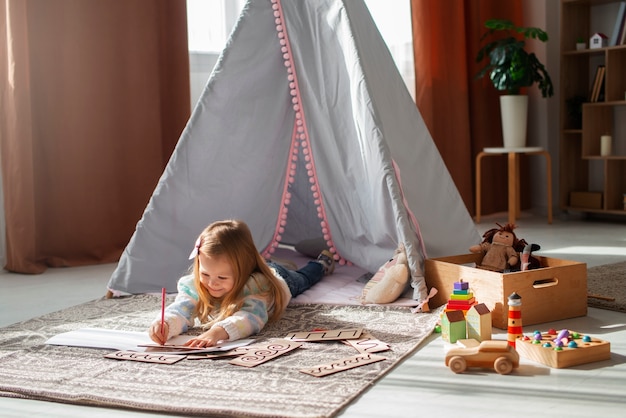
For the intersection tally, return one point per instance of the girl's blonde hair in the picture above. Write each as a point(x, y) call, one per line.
point(233, 239)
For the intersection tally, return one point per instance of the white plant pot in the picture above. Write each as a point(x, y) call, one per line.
point(514, 112)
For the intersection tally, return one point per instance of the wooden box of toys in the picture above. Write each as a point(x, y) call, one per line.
point(556, 290)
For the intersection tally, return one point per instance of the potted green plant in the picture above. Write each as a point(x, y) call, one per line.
point(511, 68)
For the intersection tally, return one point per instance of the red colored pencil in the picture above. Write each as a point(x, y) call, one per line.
point(162, 309)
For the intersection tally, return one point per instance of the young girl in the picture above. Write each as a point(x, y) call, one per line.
point(232, 290)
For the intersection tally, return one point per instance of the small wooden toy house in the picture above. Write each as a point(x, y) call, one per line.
point(453, 326)
point(478, 319)
point(598, 40)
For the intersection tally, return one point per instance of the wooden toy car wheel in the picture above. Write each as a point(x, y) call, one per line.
point(457, 364)
point(503, 365)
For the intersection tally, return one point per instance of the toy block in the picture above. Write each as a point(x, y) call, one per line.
point(457, 308)
point(461, 285)
point(463, 309)
point(467, 296)
point(478, 319)
point(453, 326)
point(461, 304)
point(460, 292)
point(579, 349)
point(452, 310)
point(454, 316)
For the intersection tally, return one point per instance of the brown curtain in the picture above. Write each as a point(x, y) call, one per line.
point(94, 95)
point(462, 113)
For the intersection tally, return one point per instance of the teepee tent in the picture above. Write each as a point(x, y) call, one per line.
point(305, 129)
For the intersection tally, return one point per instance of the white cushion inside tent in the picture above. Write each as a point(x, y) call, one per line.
point(343, 287)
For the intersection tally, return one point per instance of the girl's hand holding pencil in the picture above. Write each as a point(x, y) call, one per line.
point(160, 330)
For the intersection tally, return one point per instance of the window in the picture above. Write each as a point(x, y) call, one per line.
point(210, 23)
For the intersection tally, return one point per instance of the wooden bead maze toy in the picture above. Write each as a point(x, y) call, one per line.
point(564, 349)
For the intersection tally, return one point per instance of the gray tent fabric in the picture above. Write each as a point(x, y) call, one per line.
point(305, 129)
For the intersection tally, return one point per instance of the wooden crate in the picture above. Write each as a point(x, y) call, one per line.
point(556, 291)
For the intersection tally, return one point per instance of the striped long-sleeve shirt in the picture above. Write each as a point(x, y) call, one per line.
point(248, 320)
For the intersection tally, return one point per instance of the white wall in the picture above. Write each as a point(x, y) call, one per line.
point(543, 113)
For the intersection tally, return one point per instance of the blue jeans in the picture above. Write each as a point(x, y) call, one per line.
point(302, 279)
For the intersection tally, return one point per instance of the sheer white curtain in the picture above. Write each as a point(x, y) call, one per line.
point(393, 19)
point(210, 22)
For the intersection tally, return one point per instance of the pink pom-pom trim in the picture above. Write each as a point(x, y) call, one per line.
point(300, 145)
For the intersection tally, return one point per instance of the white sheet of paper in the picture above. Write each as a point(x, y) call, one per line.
point(131, 341)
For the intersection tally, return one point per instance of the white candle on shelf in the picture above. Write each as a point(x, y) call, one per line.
point(605, 145)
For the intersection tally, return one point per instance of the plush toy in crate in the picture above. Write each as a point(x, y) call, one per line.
point(501, 249)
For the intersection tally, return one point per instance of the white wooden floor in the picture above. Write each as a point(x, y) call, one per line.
point(421, 385)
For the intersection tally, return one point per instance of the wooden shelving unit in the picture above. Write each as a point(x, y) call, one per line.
point(582, 168)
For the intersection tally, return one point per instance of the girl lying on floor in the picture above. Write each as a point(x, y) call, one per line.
point(232, 290)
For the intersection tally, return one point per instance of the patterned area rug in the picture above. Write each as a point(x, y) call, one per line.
point(607, 282)
point(30, 369)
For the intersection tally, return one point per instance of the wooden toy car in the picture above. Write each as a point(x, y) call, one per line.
point(498, 355)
